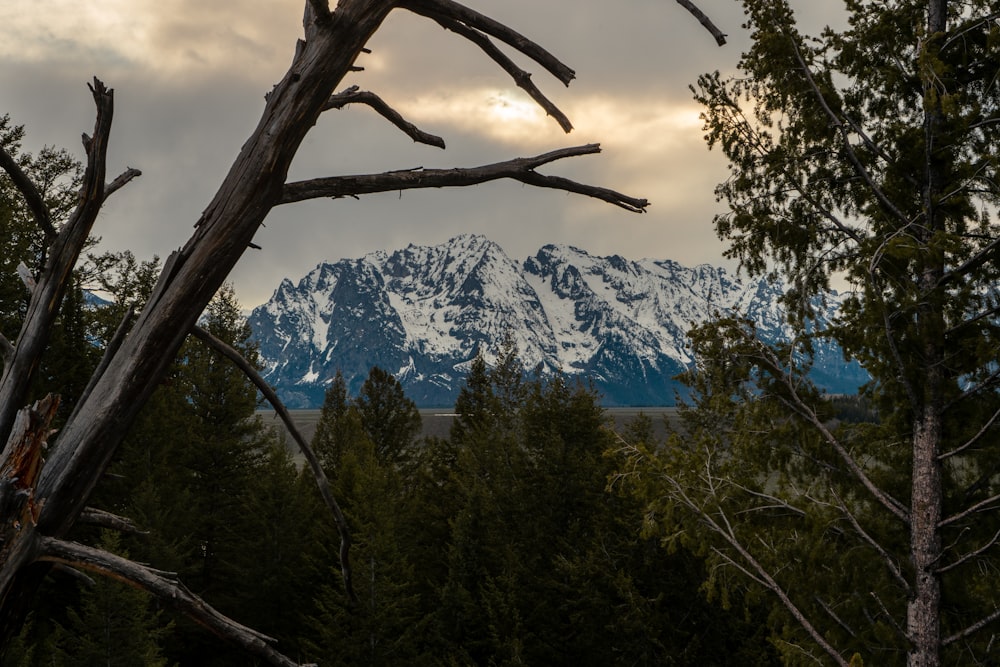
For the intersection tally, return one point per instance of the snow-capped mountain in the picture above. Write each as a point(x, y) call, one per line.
point(423, 312)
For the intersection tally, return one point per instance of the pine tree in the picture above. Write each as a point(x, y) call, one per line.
point(368, 445)
point(864, 153)
point(390, 419)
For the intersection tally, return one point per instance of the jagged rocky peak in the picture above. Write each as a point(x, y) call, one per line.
point(423, 312)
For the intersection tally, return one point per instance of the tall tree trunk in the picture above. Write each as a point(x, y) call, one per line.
point(923, 616)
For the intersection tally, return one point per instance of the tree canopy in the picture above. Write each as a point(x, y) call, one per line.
point(863, 154)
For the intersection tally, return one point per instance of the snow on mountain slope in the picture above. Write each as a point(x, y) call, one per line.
point(423, 312)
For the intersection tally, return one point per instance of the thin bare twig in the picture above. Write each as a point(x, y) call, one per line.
point(969, 556)
point(883, 554)
point(975, 627)
point(852, 155)
point(756, 570)
point(978, 507)
point(795, 402)
point(971, 441)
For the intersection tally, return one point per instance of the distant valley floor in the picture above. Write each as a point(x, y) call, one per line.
point(437, 422)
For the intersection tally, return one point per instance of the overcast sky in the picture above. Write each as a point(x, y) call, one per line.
point(190, 77)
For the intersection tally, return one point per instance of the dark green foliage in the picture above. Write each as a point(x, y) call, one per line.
point(390, 420)
point(545, 566)
point(366, 445)
point(113, 626)
point(70, 356)
point(499, 545)
point(868, 153)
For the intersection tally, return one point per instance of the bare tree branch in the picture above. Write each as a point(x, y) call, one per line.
point(972, 554)
point(321, 480)
point(167, 590)
point(354, 96)
point(518, 169)
point(795, 402)
point(520, 76)
point(123, 179)
point(96, 517)
point(759, 572)
point(28, 190)
point(974, 439)
point(720, 37)
point(975, 627)
point(852, 155)
point(64, 251)
point(456, 12)
point(890, 563)
point(978, 507)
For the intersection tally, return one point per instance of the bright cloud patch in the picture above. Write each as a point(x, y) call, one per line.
point(640, 127)
point(172, 36)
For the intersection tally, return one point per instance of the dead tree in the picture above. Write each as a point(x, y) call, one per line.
point(41, 500)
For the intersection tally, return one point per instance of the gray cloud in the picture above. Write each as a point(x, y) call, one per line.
point(190, 78)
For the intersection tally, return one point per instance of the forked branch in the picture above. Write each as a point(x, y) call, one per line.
point(64, 251)
point(518, 169)
point(520, 76)
point(453, 11)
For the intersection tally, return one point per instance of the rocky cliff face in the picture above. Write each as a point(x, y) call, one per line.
point(423, 312)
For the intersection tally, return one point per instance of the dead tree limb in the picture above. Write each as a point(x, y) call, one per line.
point(310, 456)
point(166, 589)
point(121, 181)
point(455, 12)
point(720, 37)
point(32, 197)
point(354, 96)
point(520, 76)
point(64, 252)
point(518, 169)
point(103, 519)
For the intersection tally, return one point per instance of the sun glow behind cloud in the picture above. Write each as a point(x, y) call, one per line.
point(643, 126)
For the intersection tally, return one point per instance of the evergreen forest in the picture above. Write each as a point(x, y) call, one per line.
point(149, 516)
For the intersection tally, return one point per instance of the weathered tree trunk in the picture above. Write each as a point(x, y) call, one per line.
point(923, 617)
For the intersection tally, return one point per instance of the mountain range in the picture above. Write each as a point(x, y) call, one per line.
point(424, 312)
